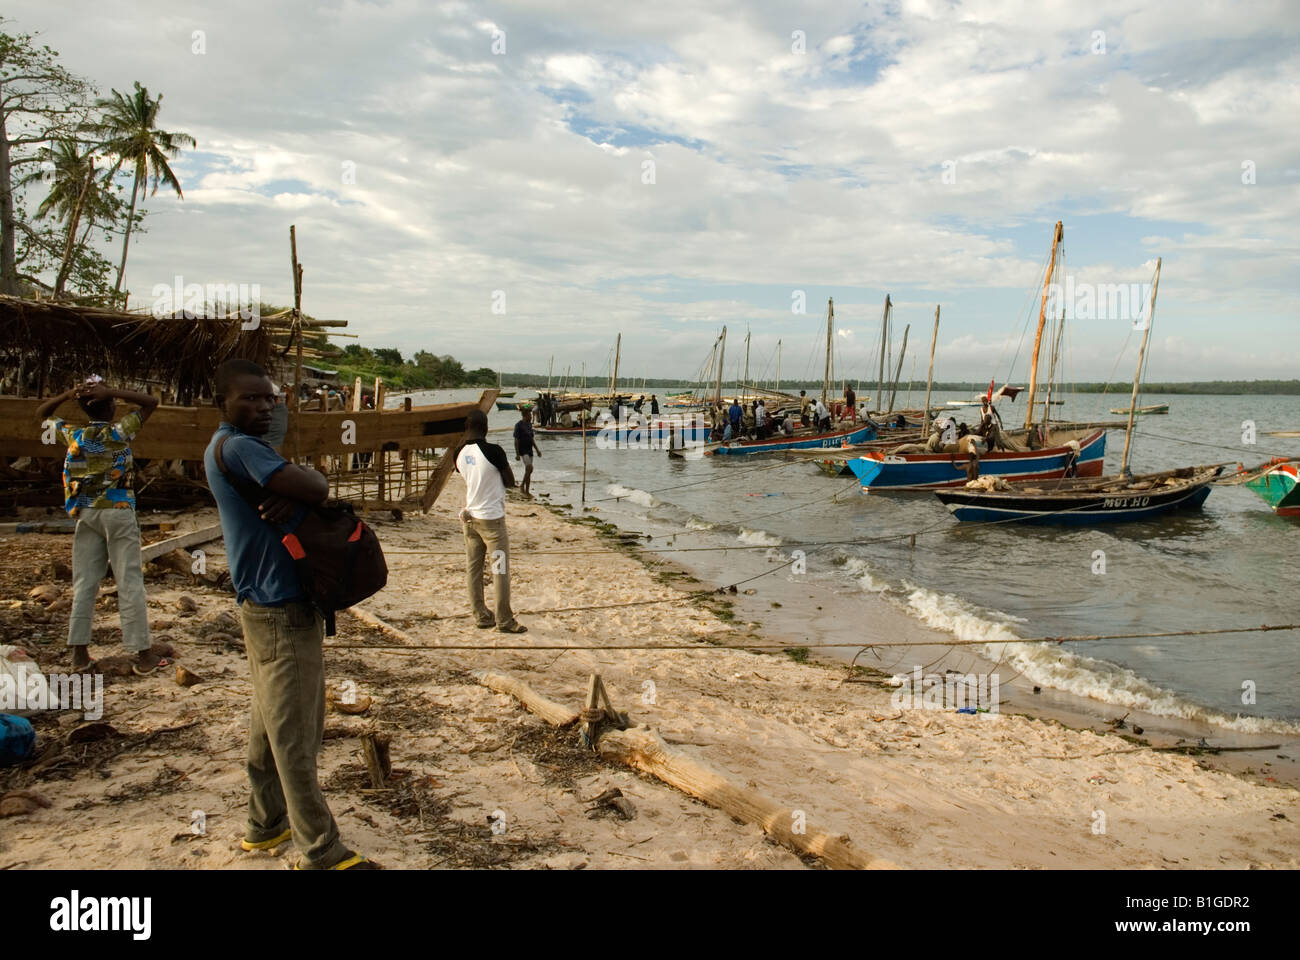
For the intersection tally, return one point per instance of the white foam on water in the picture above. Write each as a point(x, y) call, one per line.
point(631, 494)
point(758, 538)
point(1050, 665)
point(695, 523)
point(859, 571)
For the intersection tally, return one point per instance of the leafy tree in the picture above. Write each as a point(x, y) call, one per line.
point(40, 101)
point(388, 355)
point(128, 129)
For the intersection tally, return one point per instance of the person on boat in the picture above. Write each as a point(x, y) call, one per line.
point(525, 447)
point(654, 405)
point(760, 419)
point(850, 403)
point(787, 426)
point(283, 633)
point(823, 416)
point(640, 402)
point(805, 409)
point(735, 416)
point(98, 492)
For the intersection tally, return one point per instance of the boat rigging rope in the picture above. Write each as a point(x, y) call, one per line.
point(1202, 443)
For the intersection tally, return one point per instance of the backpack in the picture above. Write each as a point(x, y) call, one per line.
point(338, 558)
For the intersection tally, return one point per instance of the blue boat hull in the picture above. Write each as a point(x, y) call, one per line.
point(1098, 509)
point(825, 441)
point(930, 470)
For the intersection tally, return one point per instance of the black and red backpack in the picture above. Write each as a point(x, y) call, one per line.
point(338, 558)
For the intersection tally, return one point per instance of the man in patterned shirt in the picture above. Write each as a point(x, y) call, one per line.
point(98, 477)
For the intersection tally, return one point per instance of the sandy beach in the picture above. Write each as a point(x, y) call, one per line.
point(480, 782)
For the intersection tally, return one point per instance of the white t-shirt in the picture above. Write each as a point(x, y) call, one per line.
point(822, 412)
point(760, 414)
point(485, 493)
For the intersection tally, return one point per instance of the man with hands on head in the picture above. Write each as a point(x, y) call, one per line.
point(98, 491)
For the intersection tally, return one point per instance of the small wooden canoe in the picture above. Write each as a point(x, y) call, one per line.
point(1152, 408)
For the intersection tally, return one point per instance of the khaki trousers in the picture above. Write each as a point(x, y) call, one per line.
point(284, 735)
point(486, 541)
point(106, 536)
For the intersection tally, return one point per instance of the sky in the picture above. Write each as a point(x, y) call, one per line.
point(515, 182)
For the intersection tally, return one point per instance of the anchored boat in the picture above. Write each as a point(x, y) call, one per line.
point(1278, 482)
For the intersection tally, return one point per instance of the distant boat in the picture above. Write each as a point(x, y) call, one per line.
point(1152, 408)
point(1278, 482)
point(802, 440)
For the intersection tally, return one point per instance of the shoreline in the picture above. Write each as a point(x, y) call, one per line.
point(825, 611)
point(917, 787)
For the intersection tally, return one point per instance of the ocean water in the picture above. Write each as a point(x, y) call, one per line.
point(1231, 564)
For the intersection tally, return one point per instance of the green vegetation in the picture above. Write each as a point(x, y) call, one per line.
point(797, 654)
point(67, 148)
point(425, 371)
point(673, 385)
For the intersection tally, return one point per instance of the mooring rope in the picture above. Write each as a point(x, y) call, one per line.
point(704, 645)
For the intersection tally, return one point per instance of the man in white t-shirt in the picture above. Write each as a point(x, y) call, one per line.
point(487, 473)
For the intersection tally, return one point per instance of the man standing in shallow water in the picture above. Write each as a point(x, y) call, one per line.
point(261, 496)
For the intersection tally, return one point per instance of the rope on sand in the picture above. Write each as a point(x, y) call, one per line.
point(706, 646)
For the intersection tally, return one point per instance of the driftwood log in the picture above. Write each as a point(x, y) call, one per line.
point(643, 749)
point(553, 713)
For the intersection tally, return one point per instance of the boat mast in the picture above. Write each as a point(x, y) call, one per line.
point(722, 355)
point(744, 387)
point(830, 322)
point(1057, 336)
point(1057, 235)
point(618, 346)
point(929, 379)
point(778, 366)
point(884, 335)
point(548, 373)
point(899, 372)
point(1137, 377)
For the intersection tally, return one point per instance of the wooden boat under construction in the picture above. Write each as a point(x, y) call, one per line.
point(378, 457)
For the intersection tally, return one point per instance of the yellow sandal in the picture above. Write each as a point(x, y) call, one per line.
point(265, 844)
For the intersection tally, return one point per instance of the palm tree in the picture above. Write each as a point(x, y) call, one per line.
point(75, 192)
point(127, 130)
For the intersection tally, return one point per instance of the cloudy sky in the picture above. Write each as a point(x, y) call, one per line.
point(663, 169)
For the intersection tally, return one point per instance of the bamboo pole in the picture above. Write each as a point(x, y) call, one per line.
point(884, 335)
point(1137, 375)
point(929, 378)
point(899, 372)
point(722, 355)
point(830, 323)
point(1057, 234)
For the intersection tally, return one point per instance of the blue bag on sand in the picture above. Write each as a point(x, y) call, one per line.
point(17, 739)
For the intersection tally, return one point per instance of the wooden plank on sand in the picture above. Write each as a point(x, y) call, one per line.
point(202, 535)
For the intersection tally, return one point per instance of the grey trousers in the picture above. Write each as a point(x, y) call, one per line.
point(288, 721)
point(108, 536)
point(486, 541)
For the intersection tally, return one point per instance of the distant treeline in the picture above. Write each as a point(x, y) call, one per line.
point(1225, 387)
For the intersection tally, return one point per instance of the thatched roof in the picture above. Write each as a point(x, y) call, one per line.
point(59, 344)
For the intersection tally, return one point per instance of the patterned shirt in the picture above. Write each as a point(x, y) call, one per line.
point(98, 472)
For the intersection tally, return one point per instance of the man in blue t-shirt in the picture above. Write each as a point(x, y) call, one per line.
point(735, 415)
point(525, 447)
point(261, 496)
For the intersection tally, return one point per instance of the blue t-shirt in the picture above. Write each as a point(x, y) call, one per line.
point(735, 413)
point(260, 566)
